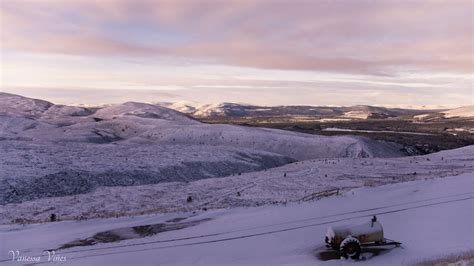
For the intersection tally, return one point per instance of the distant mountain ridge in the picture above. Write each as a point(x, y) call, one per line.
point(243, 110)
point(81, 149)
point(465, 112)
point(34, 108)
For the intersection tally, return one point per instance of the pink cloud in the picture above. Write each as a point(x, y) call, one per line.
point(339, 36)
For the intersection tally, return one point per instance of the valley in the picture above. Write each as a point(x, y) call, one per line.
point(127, 174)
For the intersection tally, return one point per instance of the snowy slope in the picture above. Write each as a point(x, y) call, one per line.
point(32, 172)
point(294, 182)
point(243, 110)
point(15, 104)
point(466, 111)
point(133, 158)
point(221, 109)
point(141, 110)
point(183, 107)
point(63, 150)
point(365, 112)
point(135, 129)
point(145, 123)
point(432, 218)
point(13, 127)
point(357, 114)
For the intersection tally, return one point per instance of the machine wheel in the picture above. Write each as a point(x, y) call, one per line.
point(350, 248)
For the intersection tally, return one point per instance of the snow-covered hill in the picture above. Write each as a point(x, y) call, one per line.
point(295, 182)
point(13, 126)
point(466, 111)
point(142, 110)
point(185, 107)
point(197, 181)
point(31, 172)
point(223, 109)
point(431, 218)
point(353, 112)
point(145, 123)
point(15, 104)
point(461, 113)
point(78, 150)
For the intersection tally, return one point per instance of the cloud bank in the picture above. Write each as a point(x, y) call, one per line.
point(369, 39)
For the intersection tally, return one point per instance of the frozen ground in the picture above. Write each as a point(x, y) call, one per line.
point(133, 123)
point(141, 184)
point(32, 171)
point(299, 181)
point(49, 150)
point(374, 131)
point(432, 218)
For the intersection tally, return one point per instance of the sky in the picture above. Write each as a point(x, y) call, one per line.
point(326, 52)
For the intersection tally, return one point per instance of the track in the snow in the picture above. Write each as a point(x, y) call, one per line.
point(262, 233)
point(266, 226)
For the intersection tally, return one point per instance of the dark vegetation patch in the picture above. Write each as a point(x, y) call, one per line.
point(74, 182)
point(441, 138)
point(133, 232)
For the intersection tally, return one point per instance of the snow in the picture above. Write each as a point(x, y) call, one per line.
point(11, 126)
point(351, 112)
point(296, 182)
point(466, 111)
point(374, 131)
point(19, 105)
point(421, 116)
point(357, 114)
point(259, 196)
point(332, 119)
point(212, 109)
point(431, 218)
point(50, 170)
point(142, 110)
point(460, 129)
point(145, 123)
point(183, 107)
point(60, 151)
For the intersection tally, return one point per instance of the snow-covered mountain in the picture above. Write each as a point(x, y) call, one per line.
point(181, 106)
point(135, 143)
point(466, 111)
point(242, 110)
point(142, 110)
point(365, 112)
point(15, 104)
point(294, 182)
point(139, 122)
point(193, 180)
